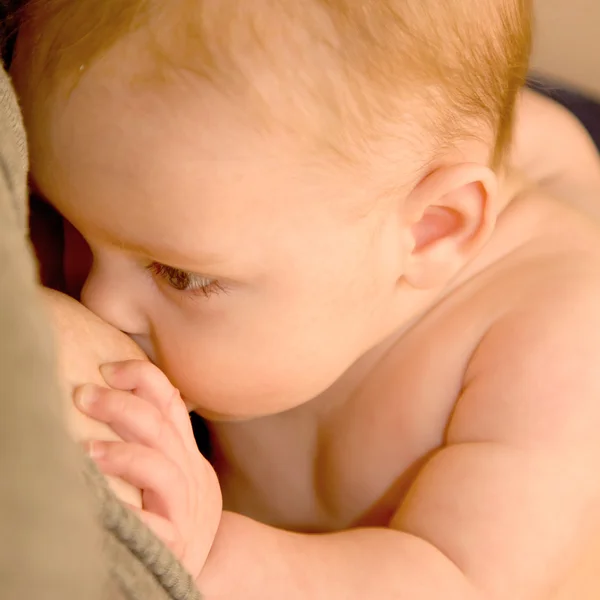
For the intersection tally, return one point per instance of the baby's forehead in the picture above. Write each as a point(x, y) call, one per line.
point(217, 139)
point(348, 65)
point(342, 74)
point(171, 151)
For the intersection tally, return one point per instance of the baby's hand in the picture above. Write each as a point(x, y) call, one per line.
point(181, 498)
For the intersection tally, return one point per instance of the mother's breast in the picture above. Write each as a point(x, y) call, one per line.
point(83, 343)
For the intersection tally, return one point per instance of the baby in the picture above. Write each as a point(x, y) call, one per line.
point(301, 211)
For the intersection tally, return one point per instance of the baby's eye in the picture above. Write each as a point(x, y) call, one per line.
point(184, 281)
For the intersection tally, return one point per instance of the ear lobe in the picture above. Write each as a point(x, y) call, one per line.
point(451, 214)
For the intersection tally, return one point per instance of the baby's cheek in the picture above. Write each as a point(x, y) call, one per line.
point(206, 384)
point(243, 385)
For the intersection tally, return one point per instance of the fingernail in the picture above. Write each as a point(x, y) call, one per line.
point(95, 449)
point(87, 395)
point(107, 370)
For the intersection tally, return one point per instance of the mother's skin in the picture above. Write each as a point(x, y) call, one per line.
point(84, 342)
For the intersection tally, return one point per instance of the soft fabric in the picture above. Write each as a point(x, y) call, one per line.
point(63, 535)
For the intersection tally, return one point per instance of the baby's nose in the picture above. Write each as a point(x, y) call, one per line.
point(111, 296)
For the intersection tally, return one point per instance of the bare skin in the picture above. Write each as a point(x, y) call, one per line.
point(343, 466)
point(557, 169)
point(84, 342)
point(553, 149)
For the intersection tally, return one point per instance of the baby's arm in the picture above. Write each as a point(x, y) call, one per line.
point(553, 149)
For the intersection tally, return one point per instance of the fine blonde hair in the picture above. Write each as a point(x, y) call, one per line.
point(358, 65)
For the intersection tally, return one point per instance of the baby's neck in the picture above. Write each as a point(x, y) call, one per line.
point(511, 185)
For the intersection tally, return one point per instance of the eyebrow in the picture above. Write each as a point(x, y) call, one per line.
point(198, 261)
point(176, 255)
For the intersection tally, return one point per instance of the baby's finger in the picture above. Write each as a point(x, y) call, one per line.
point(132, 418)
point(161, 527)
point(143, 379)
point(163, 484)
point(147, 381)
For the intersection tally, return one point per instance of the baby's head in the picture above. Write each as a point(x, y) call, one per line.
point(270, 189)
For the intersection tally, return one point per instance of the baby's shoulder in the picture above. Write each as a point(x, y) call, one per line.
point(544, 305)
point(528, 312)
point(540, 312)
point(533, 296)
point(519, 338)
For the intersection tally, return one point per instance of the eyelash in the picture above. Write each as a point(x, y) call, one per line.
point(184, 281)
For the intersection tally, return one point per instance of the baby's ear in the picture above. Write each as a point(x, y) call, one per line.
point(448, 218)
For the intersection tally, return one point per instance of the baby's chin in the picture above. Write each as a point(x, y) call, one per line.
point(216, 416)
